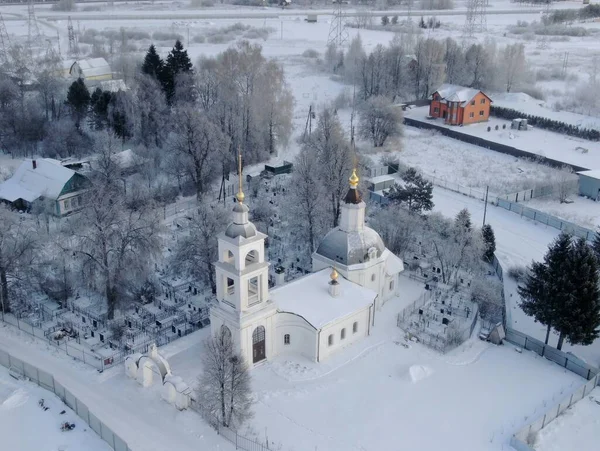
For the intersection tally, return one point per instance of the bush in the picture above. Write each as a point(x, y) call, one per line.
point(517, 273)
point(198, 39)
point(310, 53)
point(546, 124)
point(166, 36)
point(202, 3)
point(395, 20)
point(64, 5)
point(385, 20)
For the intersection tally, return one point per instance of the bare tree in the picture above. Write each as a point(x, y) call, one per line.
point(224, 389)
point(513, 62)
point(379, 119)
point(398, 228)
point(196, 252)
point(118, 242)
point(565, 185)
point(429, 70)
point(17, 252)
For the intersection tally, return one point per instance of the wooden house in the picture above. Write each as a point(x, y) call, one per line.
point(458, 105)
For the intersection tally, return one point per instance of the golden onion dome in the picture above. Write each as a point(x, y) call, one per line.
point(354, 179)
point(334, 275)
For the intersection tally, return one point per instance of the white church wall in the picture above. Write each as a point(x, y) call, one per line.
point(303, 336)
point(361, 317)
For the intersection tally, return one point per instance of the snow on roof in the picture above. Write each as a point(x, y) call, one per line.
point(113, 85)
point(93, 67)
point(380, 178)
point(455, 93)
point(47, 179)
point(309, 298)
point(593, 174)
point(393, 265)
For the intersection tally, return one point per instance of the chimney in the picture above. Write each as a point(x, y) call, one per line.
point(34, 163)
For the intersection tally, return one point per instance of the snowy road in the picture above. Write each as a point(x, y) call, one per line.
point(137, 415)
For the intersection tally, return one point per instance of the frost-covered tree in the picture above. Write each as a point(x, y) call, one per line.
point(18, 243)
point(489, 242)
point(224, 389)
point(398, 228)
point(115, 242)
point(379, 119)
point(487, 293)
point(151, 107)
point(354, 60)
point(513, 64)
point(177, 62)
point(429, 71)
point(196, 252)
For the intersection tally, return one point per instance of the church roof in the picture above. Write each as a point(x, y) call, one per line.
point(353, 196)
point(309, 298)
point(350, 248)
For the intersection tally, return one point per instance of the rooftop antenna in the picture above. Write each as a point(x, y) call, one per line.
point(338, 34)
point(4, 42)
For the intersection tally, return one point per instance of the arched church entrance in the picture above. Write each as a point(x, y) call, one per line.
point(258, 344)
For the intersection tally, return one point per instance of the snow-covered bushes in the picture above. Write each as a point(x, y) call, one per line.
point(202, 3)
point(64, 5)
point(487, 294)
point(436, 4)
point(237, 30)
point(310, 53)
point(517, 273)
point(166, 36)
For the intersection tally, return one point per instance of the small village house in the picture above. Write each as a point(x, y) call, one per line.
point(458, 105)
point(91, 69)
point(45, 179)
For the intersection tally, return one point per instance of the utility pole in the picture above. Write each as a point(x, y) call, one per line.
point(4, 42)
point(486, 202)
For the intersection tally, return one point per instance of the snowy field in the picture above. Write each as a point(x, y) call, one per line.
point(568, 149)
point(578, 428)
point(379, 393)
point(25, 426)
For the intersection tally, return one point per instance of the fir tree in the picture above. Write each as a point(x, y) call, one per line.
point(596, 244)
point(153, 65)
point(463, 219)
point(78, 99)
point(416, 193)
point(385, 20)
point(99, 102)
point(489, 242)
point(544, 291)
point(178, 62)
point(579, 316)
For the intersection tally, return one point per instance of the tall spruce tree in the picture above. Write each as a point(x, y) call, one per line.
point(178, 62)
point(596, 244)
point(489, 242)
point(544, 291)
point(78, 99)
point(579, 317)
point(153, 65)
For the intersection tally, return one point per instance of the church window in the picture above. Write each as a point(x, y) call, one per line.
point(355, 327)
point(373, 278)
point(330, 340)
point(230, 286)
point(228, 256)
point(286, 339)
point(253, 297)
point(391, 285)
point(343, 334)
point(225, 335)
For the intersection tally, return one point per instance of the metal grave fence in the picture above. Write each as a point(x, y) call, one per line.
point(48, 382)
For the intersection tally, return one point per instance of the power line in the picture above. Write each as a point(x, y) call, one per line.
point(476, 18)
point(338, 34)
point(4, 42)
point(34, 37)
point(73, 49)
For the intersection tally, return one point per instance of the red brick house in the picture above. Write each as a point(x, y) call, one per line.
point(459, 106)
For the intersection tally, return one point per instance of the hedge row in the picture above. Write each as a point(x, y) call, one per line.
point(547, 124)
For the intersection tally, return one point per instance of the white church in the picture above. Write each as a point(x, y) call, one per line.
point(316, 315)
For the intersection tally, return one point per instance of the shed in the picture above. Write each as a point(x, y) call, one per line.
point(497, 334)
point(284, 168)
point(589, 184)
point(311, 18)
point(381, 182)
point(91, 69)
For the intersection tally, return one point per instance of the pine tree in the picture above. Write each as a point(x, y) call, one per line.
point(545, 289)
point(463, 219)
point(579, 318)
point(78, 99)
point(178, 62)
point(596, 244)
point(99, 102)
point(489, 241)
point(416, 193)
point(153, 65)
point(385, 20)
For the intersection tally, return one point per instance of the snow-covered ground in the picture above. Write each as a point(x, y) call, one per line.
point(581, 210)
point(379, 393)
point(25, 426)
point(578, 428)
point(567, 149)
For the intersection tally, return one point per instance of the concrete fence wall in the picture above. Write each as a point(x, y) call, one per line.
point(47, 381)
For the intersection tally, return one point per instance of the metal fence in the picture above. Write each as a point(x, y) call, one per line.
point(547, 219)
point(524, 438)
point(568, 361)
point(67, 345)
point(47, 381)
point(240, 441)
point(568, 187)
